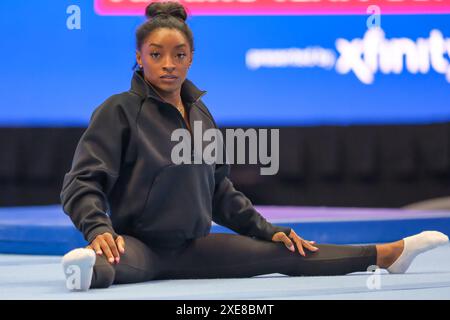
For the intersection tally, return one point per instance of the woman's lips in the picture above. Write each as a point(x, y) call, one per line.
point(169, 79)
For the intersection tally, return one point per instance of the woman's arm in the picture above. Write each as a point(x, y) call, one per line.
point(232, 209)
point(95, 169)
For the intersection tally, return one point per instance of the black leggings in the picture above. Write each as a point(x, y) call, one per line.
point(224, 255)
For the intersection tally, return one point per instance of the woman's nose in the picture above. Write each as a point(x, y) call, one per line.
point(168, 64)
point(168, 69)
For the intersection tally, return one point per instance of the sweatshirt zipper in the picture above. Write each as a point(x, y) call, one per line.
point(183, 122)
point(180, 117)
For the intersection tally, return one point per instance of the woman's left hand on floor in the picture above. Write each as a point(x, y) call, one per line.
point(294, 238)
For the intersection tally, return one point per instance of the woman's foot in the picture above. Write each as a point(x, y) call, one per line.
point(78, 266)
point(389, 252)
point(397, 256)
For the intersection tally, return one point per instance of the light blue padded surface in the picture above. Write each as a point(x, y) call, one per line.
point(41, 277)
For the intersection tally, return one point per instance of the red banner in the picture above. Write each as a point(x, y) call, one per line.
point(280, 7)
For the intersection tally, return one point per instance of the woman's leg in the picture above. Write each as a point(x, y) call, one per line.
point(138, 263)
point(221, 255)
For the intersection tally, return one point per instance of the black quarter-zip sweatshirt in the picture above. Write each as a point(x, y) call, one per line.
point(123, 181)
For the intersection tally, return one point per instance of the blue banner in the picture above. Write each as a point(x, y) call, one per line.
point(60, 60)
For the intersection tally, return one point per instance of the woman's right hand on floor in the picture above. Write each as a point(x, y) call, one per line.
point(105, 243)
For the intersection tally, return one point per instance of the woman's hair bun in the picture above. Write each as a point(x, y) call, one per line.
point(165, 9)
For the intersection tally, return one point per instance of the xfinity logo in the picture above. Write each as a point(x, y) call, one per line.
point(364, 57)
point(374, 53)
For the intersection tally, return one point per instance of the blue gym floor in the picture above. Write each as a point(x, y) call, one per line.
point(34, 239)
point(41, 277)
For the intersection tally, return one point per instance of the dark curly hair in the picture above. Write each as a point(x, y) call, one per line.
point(168, 14)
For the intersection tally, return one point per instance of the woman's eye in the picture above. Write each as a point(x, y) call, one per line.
point(157, 54)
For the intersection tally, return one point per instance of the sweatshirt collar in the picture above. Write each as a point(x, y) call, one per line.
point(189, 92)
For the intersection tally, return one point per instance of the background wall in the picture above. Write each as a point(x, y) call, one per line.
point(364, 113)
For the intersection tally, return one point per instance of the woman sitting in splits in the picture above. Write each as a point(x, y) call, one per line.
point(146, 218)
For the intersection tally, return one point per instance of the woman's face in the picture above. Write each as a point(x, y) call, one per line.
point(165, 52)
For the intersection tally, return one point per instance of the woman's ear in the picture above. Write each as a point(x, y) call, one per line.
point(138, 58)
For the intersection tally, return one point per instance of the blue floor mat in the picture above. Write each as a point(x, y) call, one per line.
point(47, 230)
point(41, 277)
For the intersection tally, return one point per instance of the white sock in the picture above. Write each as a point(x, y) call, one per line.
point(415, 245)
point(78, 266)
